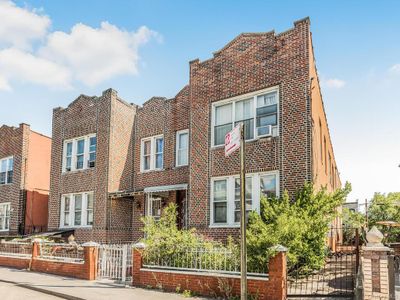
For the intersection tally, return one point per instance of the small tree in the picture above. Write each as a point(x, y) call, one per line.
point(385, 208)
point(301, 225)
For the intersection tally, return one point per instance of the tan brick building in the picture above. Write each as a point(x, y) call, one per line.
point(24, 180)
point(172, 149)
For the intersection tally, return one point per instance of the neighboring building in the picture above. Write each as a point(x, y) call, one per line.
point(91, 157)
point(174, 151)
point(24, 180)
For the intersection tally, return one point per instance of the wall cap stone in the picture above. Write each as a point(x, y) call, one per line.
point(90, 244)
point(139, 246)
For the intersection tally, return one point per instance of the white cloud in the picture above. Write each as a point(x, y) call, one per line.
point(395, 68)
point(17, 65)
point(20, 26)
point(334, 83)
point(97, 54)
point(30, 53)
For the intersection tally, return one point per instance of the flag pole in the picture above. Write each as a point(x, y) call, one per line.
point(243, 252)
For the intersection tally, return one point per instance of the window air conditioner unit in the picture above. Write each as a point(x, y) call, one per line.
point(264, 131)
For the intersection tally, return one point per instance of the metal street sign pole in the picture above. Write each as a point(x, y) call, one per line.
point(243, 252)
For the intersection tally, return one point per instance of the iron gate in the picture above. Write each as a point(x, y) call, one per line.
point(336, 278)
point(115, 262)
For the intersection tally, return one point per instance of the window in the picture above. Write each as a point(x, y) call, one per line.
point(6, 170)
point(154, 206)
point(152, 153)
point(258, 112)
point(80, 153)
point(76, 210)
point(5, 209)
point(220, 201)
point(66, 204)
point(268, 185)
point(182, 148)
point(92, 151)
point(267, 113)
point(225, 196)
point(89, 210)
point(249, 196)
point(68, 157)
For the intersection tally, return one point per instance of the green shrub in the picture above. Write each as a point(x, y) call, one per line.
point(167, 245)
point(300, 225)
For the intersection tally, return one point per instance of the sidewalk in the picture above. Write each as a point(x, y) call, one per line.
point(75, 289)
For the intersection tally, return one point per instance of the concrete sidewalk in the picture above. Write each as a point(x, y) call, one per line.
point(75, 289)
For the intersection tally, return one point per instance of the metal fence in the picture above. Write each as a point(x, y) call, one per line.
point(17, 249)
point(218, 259)
point(72, 253)
point(115, 262)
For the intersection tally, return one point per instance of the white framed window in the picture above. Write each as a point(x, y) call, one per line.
point(182, 148)
point(80, 153)
point(154, 206)
point(76, 210)
point(5, 209)
point(152, 153)
point(225, 196)
point(6, 170)
point(259, 111)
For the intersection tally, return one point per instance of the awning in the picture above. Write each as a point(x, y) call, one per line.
point(166, 188)
point(124, 194)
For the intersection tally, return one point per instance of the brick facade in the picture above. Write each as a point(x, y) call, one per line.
point(249, 63)
point(111, 119)
point(29, 190)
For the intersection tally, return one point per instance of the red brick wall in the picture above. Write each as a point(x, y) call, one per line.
point(209, 285)
point(13, 262)
point(86, 270)
point(249, 63)
point(111, 119)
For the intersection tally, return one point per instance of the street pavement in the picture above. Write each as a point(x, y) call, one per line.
point(11, 291)
point(22, 284)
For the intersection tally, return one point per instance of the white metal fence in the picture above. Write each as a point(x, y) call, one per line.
point(115, 262)
point(216, 259)
point(72, 253)
point(17, 249)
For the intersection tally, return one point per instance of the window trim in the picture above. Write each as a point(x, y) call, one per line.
point(6, 204)
point(178, 133)
point(84, 210)
point(74, 154)
point(153, 153)
point(7, 159)
point(244, 97)
point(256, 196)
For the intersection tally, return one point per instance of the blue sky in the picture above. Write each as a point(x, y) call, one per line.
point(357, 49)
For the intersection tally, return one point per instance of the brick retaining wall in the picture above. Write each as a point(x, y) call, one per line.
point(211, 284)
point(85, 270)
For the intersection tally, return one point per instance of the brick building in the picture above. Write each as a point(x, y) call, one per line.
point(92, 154)
point(172, 149)
point(24, 180)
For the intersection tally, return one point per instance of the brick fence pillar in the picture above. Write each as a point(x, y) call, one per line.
point(90, 253)
point(278, 273)
point(374, 266)
point(137, 261)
